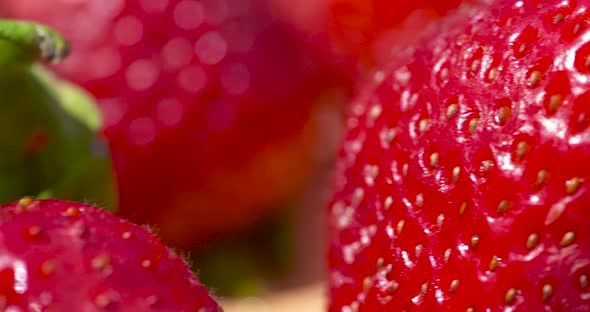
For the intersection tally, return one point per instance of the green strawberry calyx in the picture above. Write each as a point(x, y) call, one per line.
point(51, 147)
point(24, 43)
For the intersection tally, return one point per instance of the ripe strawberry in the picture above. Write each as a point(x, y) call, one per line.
point(366, 29)
point(464, 173)
point(206, 104)
point(66, 256)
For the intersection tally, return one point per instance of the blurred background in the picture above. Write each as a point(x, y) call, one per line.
point(216, 123)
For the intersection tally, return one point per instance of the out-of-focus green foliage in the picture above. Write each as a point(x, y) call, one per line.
point(48, 128)
point(22, 43)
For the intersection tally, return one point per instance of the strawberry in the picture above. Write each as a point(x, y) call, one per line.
point(463, 181)
point(207, 104)
point(365, 29)
point(65, 256)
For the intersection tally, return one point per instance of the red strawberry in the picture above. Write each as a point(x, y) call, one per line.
point(366, 28)
point(207, 103)
point(464, 173)
point(65, 256)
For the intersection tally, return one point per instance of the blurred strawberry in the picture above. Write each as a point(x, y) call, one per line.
point(208, 104)
point(365, 28)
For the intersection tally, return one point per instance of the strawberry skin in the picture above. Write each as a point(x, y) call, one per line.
point(65, 256)
point(463, 181)
point(207, 104)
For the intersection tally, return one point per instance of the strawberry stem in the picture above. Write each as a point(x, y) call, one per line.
point(26, 42)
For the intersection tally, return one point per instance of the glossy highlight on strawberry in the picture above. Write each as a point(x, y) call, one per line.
point(66, 256)
point(464, 175)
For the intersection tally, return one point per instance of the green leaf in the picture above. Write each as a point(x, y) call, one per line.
point(73, 100)
point(88, 174)
point(49, 143)
point(23, 43)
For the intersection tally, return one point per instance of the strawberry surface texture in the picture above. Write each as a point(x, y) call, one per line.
point(65, 256)
point(208, 105)
point(463, 177)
